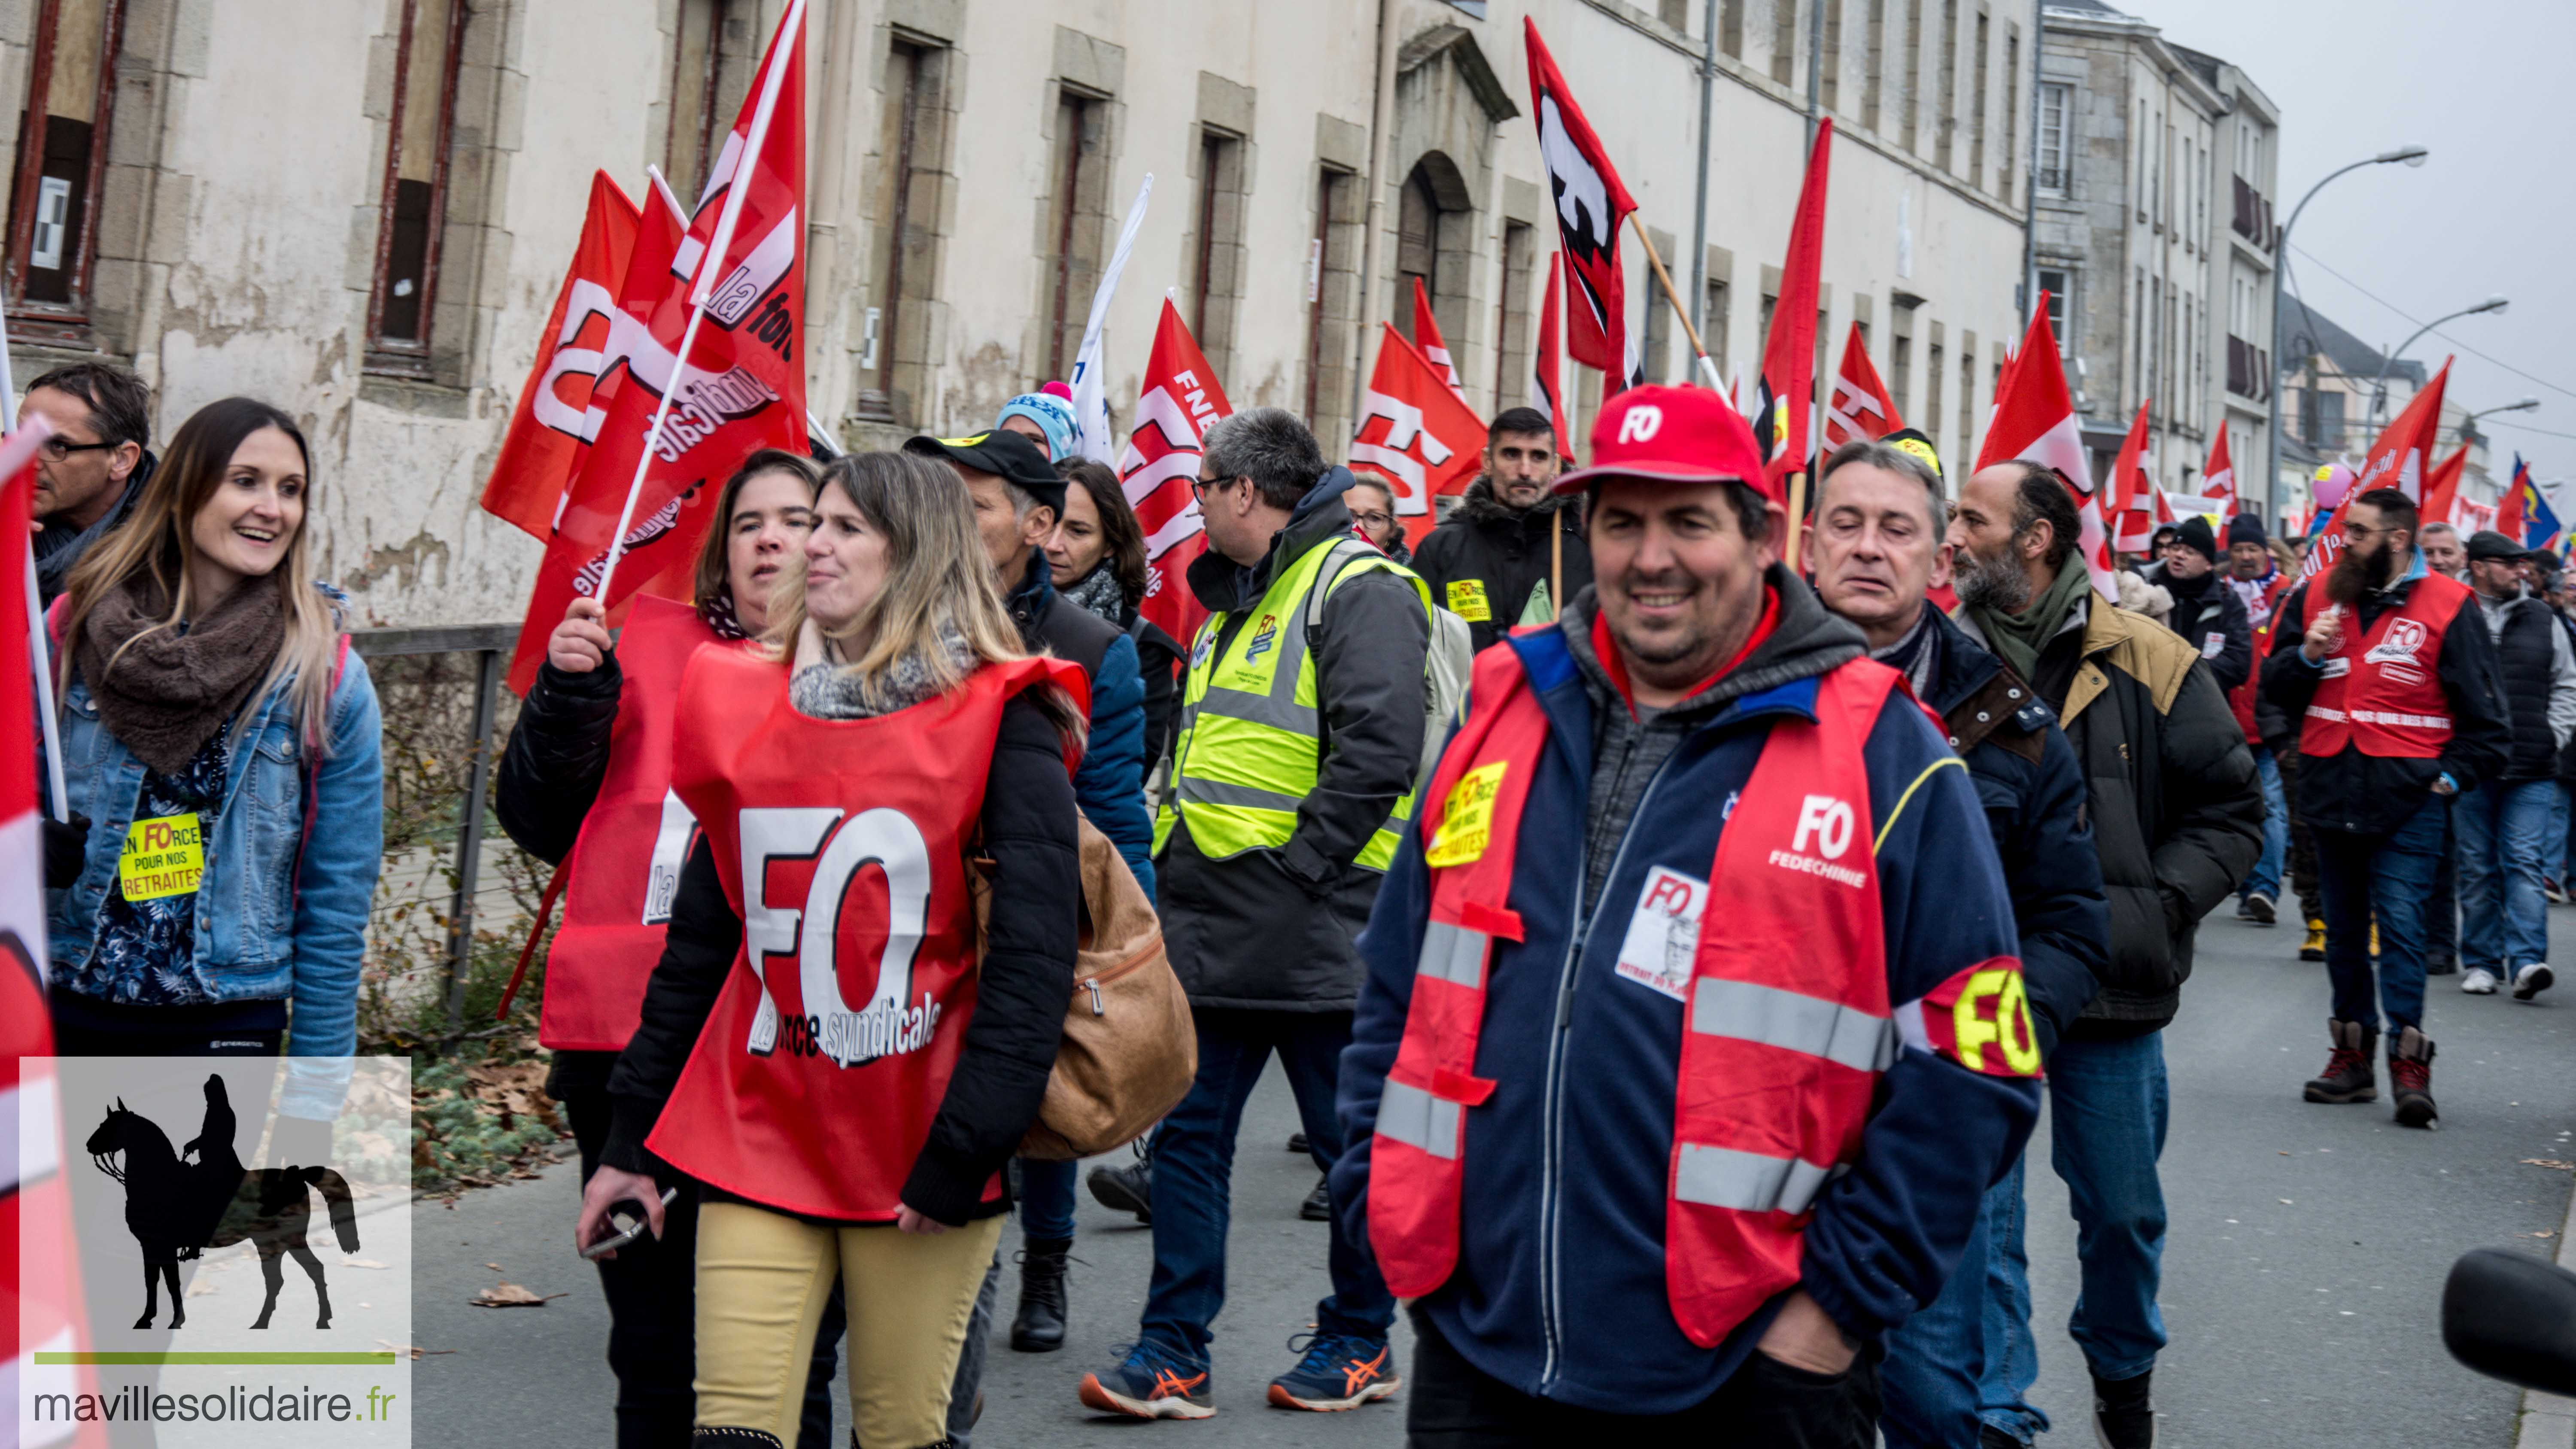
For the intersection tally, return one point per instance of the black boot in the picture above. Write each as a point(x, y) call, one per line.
point(1039, 1328)
point(2349, 1076)
point(2124, 1415)
point(1128, 1189)
point(2410, 1066)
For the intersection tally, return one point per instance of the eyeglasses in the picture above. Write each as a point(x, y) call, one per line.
point(61, 449)
point(2356, 532)
point(1374, 520)
point(1199, 487)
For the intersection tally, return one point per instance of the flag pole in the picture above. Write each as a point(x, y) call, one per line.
point(38, 654)
point(1707, 369)
point(1797, 513)
point(701, 286)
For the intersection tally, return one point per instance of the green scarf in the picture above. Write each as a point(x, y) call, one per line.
point(2020, 637)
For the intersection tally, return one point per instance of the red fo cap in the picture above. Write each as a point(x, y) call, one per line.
point(1670, 435)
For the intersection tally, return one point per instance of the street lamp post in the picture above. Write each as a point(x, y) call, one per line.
point(2379, 389)
point(2466, 424)
point(2412, 156)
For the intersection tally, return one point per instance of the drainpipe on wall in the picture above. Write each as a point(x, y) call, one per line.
point(1815, 67)
point(1699, 211)
point(2030, 172)
point(1381, 141)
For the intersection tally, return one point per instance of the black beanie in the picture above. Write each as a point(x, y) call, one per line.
point(2194, 534)
point(2246, 528)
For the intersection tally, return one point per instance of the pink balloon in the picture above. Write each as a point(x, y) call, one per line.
point(2333, 485)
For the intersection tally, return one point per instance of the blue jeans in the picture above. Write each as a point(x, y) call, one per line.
point(2265, 880)
point(1046, 1198)
point(2106, 1121)
point(2503, 831)
point(1194, 1175)
point(2387, 877)
point(1929, 1380)
point(2562, 832)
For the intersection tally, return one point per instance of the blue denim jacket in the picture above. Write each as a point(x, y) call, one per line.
point(256, 938)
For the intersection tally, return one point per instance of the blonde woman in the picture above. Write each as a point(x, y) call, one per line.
point(822, 1046)
point(212, 712)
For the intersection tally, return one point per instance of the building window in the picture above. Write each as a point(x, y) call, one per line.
point(1730, 27)
point(1712, 326)
point(1829, 79)
point(2012, 109)
point(1977, 100)
point(1905, 50)
point(894, 339)
point(2059, 284)
point(1967, 394)
point(62, 153)
point(1900, 357)
point(1512, 368)
point(1331, 270)
point(1932, 361)
point(2321, 419)
point(1784, 38)
point(709, 73)
point(1075, 221)
point(1674, 13)
point(1417, 248)
point(1216, 250)
point(415, 189)
point(1872, 82)
point(2056, 123)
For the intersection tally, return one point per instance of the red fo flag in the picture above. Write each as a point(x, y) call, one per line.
point(554, 423)
point(2218, 480)
point(1426, 335)
point(743, 388)
point(2034, 418)
point(1547, 384)
point(1788, 386)
point(1861, 407)
point(2402, 459)
point(1181, 398)
point(1416, 434)
point(1591, 205)
point(2442, 493)
point(2130, 495)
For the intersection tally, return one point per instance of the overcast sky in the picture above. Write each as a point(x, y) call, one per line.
point(2486, 85)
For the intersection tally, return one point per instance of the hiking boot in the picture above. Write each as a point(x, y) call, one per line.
point(1151, 1382)
point(2478, 981)
point(2348, 1076)
point(2259, 909)
point(1990, 1437)
point(2410, 1069)
point(2441, 966)
point(1297, 1142)
point(2556, 890)
point(2530, 981)
point(2314, 947)
point(2123, 1417)
point(1039, 1327)
point(1318, 1206)
point(1339, 1371)
point(1128, 1189)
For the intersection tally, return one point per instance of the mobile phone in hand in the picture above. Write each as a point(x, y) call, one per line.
point(637, 1228)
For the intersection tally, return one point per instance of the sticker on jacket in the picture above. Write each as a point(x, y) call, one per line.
point(1980, 1019)
point(1663, 933)
point(1467, 601)
point(2211, 647)
point(1467, 820)
point(163, 856)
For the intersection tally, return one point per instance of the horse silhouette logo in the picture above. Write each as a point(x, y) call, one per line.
point(176, 1208)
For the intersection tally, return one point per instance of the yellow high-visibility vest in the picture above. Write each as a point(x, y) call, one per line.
point(1251, 736)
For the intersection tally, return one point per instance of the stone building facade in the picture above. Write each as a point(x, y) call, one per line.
point(360, 209)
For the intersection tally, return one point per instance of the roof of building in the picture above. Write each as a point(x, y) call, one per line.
point(2201, 61)
point(2305, 330)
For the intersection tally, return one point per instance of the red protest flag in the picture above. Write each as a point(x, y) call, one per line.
point(731, 299)
point(2132, 506)
point(2034, 418)
point(1591, 205)
point(1861, 407)
point(1426, 335)
point(2218, 480)
point(2401, 459)
point(1416, 434)
point(554, 423)
point(2442, 492)
point(1547, 384)
point(1788, 386)
point(1181, 397)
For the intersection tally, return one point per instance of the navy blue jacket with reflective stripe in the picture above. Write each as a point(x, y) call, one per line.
point(1560, 1286)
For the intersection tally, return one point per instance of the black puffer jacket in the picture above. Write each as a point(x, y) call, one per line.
point(2176, 810)
point(1276, 929)
point(556, 759)
point(2214, 623)
point(1506, 553)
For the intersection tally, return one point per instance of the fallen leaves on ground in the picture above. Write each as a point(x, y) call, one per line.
point(411, 1350)
point(2551, 1163)
point(511, 1295)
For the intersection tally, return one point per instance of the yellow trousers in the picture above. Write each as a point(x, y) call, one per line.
point(763, 1278)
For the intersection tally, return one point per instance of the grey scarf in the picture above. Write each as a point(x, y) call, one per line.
point(823, 686)
point(1099, 592)
point(173, 689)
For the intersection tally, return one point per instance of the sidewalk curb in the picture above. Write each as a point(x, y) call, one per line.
point(2548, 1421)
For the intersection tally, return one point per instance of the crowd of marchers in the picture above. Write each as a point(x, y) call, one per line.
point(1666, 1009)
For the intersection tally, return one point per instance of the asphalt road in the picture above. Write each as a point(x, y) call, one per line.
point(2303, 1267)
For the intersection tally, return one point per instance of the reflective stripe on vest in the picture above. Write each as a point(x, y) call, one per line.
point(2382, 691)
point(1250, 743)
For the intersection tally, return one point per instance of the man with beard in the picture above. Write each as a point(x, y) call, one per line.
point(1509, 534)
point(1877, 546)
point(2258, 584)
point(2207, 613)
point(2177, 819)
point(2502, 825)
point(2399, 709)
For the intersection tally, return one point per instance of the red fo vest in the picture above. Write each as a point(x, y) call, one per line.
point(1789, 1020)
point(842, 845)
point(2384, 692)
point(625, 865)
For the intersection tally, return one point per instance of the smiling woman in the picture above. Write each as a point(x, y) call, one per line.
point(197, 659)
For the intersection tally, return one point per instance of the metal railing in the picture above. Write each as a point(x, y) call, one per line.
point(489, 644)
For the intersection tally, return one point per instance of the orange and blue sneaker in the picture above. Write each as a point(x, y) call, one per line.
point(1151, 1382)
point(1340, 1371)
